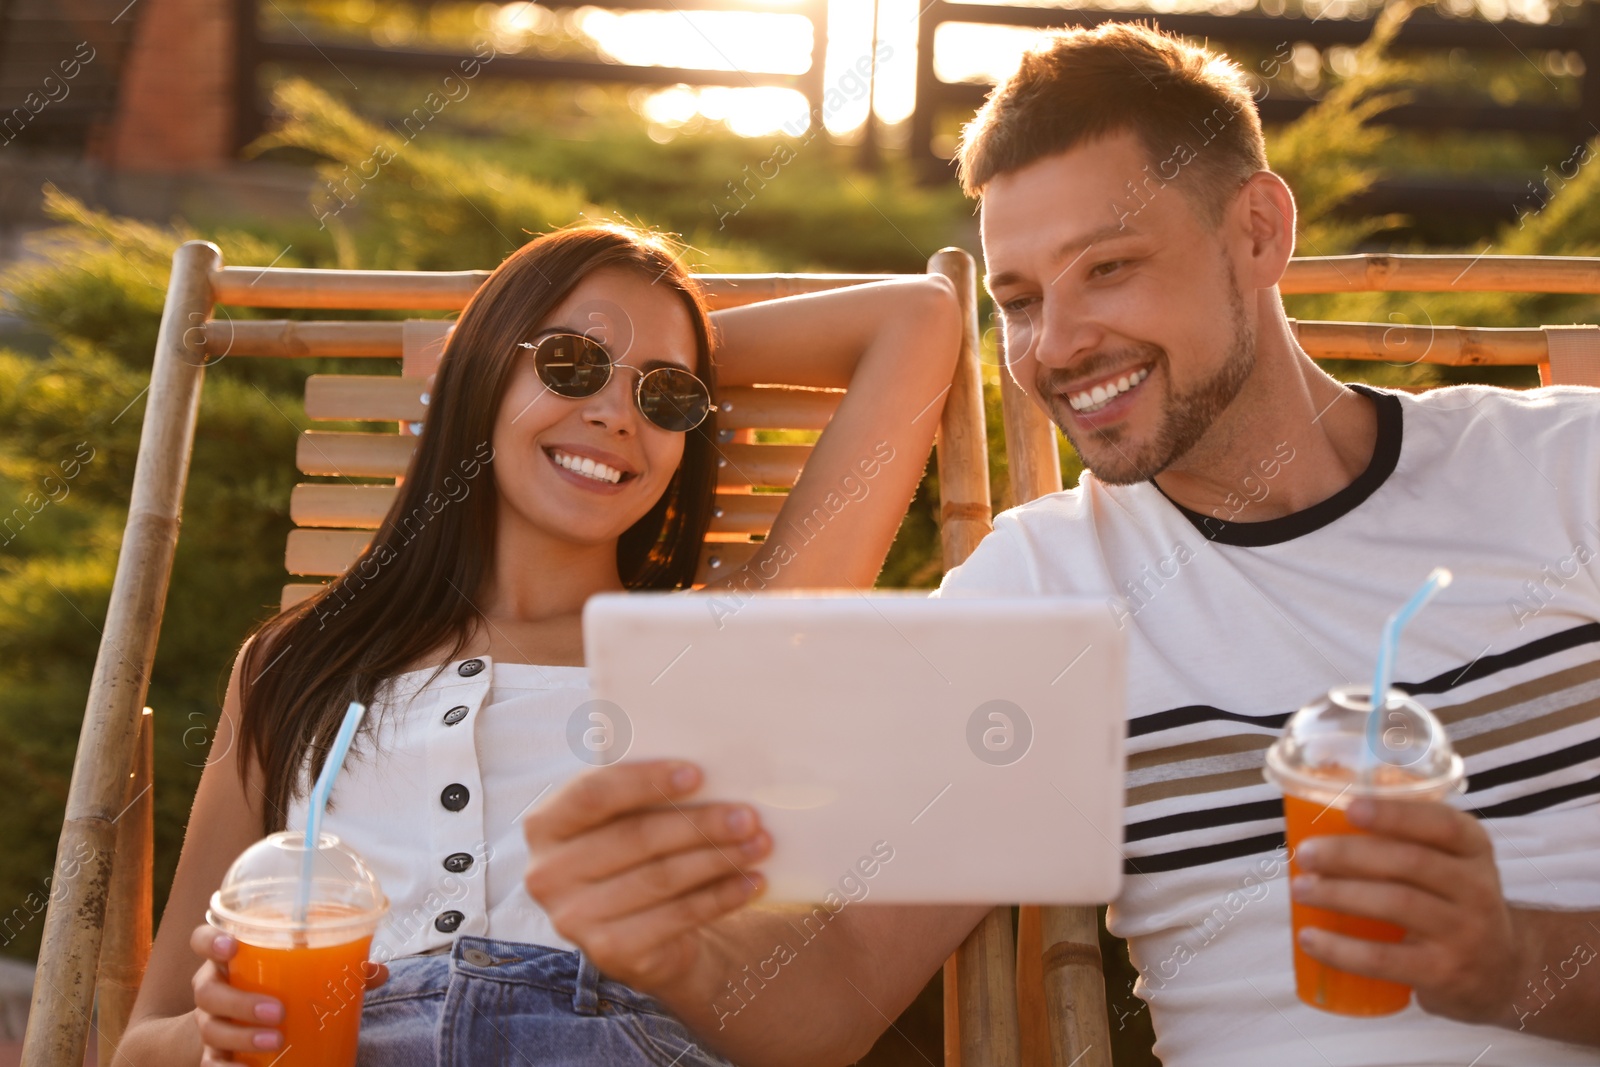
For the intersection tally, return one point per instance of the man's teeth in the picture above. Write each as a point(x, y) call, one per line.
point(587, 467)
point(1101, 395)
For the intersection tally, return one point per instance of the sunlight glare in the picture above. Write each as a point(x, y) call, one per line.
point(708, 40)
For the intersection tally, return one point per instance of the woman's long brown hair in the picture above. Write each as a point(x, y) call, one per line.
point(410, 594)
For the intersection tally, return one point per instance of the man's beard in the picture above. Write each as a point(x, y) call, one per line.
point(1185, 417)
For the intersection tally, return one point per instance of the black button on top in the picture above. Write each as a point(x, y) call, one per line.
point(470, 667)
point(457, 862)
point(455, 796)
point(455, 714)
point(447, 922)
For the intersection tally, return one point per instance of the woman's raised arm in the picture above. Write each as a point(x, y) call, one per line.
point(894, 345)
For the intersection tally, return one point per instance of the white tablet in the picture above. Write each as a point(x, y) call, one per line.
point(899, 748)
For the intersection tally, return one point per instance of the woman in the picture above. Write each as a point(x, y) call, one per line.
point(570, 449)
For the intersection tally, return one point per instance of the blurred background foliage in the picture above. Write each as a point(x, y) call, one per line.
point(507, 162)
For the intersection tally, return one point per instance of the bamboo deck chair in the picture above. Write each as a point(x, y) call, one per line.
point(1060, 985)
point(98, 927)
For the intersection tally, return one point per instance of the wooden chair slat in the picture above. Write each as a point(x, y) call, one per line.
point(422, 345)
point(354, 455)
point(330, 552)
point(329, 504)
point(383, 455)
point(775, 408)
point(362, 507)
point(746, 513)
point(295, 592)
point(323, 552)
point(719, 560)
point(764, 466)
point(365, 397)
point(389, 398)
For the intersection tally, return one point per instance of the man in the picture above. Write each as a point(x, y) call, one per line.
point(1250, 521)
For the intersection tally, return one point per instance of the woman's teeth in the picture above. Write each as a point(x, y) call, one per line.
point(587, 467)
point(1101, 395)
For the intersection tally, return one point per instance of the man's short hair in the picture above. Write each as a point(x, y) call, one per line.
point(1192, 109)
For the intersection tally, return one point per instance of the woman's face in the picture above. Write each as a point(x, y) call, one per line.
point(540, 436)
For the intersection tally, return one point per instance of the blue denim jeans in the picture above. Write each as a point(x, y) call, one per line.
point(492, 1003)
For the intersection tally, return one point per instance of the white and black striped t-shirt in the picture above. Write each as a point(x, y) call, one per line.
point(1233, 624)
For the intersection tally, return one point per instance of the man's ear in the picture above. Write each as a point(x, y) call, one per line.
point(1265, 216)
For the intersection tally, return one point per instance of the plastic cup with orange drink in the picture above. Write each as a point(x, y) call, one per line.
point(303, 908)
point(1325, 759)
point(307, 948)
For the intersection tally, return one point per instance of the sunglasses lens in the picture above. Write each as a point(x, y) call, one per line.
point(673, 399)
point(570, 365)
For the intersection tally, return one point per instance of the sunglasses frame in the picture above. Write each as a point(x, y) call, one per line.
point(611, 365)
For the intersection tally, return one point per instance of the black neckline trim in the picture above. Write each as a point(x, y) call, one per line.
point(1385, 456)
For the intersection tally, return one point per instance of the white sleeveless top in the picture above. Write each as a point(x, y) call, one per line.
point(437, 810)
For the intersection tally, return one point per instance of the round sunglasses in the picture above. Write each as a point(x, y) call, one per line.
point(575, 366)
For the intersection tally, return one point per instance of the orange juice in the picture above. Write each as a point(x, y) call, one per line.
point(1316, 983)
point(303, 916)
point(1332, 751)
point(321, 988)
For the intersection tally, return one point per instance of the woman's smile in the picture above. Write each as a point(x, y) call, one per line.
point(590, 468)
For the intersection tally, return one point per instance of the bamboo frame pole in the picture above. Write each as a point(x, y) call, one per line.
point(450, 290)
point(985, 976)
point(1393, 342)
point(63, 988)
point(406, 290)
point(963, 455)
point(981, 1030)
point(125, 949)
point(1032, 458)
point(1381, 272)
point(1405, 345)
point(1034, 465)
point(1074, 987)
point(1059, 1007)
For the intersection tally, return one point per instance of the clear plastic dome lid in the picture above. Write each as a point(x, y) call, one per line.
point(260, 902)
point(1333, 747)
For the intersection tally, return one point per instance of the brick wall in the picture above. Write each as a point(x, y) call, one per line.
point(175, 110)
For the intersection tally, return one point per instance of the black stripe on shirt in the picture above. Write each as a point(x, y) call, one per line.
point(1204, 819)
point(1229, 814)
point(1483, 667)
point(1173, 718)
point(1534, 766)
point(1195, 857)
point(1179, 859)
point(1539, 801)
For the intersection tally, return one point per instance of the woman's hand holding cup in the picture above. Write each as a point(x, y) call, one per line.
point(232, 1020)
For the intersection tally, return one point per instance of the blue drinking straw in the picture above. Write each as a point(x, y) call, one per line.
point(319, 799)
point(1437, 580)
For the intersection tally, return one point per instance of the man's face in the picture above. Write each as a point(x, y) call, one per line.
point(1121, 309)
